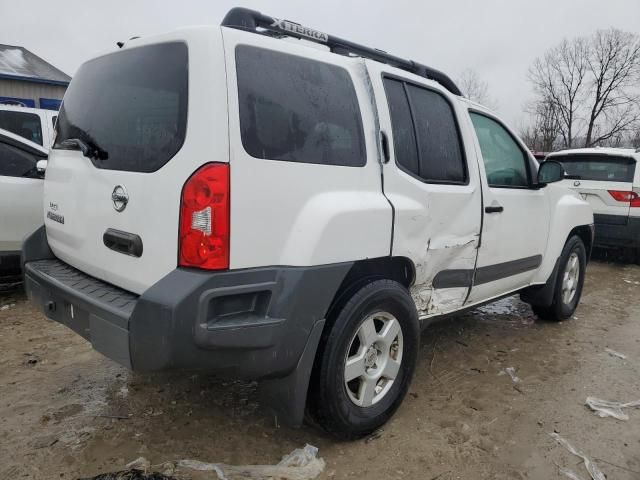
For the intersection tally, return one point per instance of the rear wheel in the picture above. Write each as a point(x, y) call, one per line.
point(366, 362)
point(569, 282)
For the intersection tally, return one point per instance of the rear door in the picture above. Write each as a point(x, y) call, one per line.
point(431, 178)
point(605, 181)
point(20, 191)
point(132, 108)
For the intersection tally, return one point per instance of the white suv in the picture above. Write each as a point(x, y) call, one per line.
point(225, 199)
point(608, 178)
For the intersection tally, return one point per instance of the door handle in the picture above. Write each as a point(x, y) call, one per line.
point(384, 143)
point(493, 209)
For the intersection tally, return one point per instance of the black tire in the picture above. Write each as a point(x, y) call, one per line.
point(330, 404)
point(559, 310)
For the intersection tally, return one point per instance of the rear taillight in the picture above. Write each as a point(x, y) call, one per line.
point(204, 219)
point(632, 198)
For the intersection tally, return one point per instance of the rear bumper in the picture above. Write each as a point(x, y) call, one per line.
point(244, 324)
point(617, 231)
point(262, 323)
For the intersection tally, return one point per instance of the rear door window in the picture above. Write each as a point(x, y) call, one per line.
point(298, 110)
point(602, 168)
point(441, 157)
point(27, 125)
point(404, 135)
point(426, 138)
point(131, 104)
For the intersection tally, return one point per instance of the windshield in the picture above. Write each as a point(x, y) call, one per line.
point(605, 168)
point(132, 105)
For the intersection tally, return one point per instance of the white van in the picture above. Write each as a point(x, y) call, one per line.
point(35, 124)
point(609, 179)
point(222, 199)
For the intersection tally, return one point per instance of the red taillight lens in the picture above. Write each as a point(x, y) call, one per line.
point(632, 198)
point(204, 219)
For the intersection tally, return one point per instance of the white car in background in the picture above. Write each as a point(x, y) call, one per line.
point(35, 124)
point(608, 178)
point(21, 186)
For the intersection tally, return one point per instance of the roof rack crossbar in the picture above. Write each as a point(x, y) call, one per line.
point(254, 21)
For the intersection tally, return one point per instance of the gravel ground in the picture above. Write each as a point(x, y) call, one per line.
point(68, 412)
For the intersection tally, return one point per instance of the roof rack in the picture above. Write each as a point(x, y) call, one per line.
point(254, 21)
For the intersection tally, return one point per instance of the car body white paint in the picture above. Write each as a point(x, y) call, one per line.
point(297, 214)
point(20, 201)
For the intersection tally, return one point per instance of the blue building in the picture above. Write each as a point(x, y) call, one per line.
point(29, 81)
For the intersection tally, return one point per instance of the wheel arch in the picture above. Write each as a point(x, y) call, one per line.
point(399, 268)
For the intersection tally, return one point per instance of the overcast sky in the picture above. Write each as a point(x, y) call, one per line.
point(497, 38)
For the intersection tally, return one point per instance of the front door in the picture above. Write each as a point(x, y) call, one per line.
point(515, 213)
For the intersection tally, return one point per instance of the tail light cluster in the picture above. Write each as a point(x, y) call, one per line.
point(204, 219)
point(632, 198)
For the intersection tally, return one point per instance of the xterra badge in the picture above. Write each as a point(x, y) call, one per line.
point(120, 198)
point(288, 26)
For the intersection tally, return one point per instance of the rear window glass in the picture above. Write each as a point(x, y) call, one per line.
point(604, 168)
point(131, 104)
point(27, 125)
point(297, 110)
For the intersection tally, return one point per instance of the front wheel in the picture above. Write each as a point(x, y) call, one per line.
point(366, 361)
point(569, 282)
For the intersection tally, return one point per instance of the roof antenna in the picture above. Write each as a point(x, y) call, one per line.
point(120, 44)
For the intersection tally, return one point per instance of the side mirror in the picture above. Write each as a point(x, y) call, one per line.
point(41, 166)
point(550, 171)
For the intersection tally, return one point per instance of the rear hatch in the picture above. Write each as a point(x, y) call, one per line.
point(112, 210)
point(604, 180)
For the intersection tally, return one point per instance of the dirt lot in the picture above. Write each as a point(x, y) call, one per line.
point(67, 412)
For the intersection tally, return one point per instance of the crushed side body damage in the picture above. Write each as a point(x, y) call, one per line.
point(444, 253)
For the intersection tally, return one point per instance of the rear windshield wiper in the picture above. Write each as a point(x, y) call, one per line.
point(88, 148)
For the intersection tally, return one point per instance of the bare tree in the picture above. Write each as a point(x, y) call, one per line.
point(558, 79)
point(475, 89)
point(544, 132)
point(614, 68)
point(591, 87)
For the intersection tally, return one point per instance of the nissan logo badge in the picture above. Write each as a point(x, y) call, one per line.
point(120, 198)
point(576, 183)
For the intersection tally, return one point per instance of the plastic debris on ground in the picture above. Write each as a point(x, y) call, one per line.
point(594, 471)
point(512, 373)
point(613, 353)
point(570, 474)
point(301, 464)
point(605, 408)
